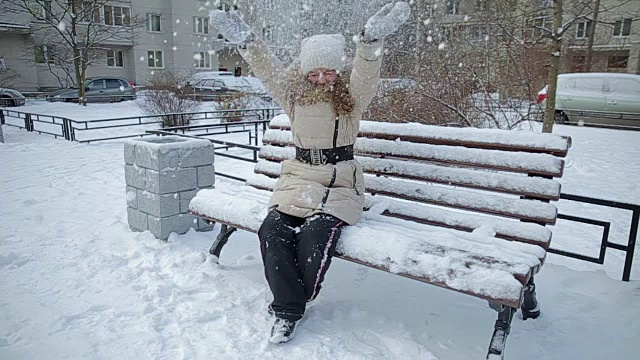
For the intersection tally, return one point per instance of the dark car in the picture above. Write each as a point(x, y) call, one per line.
point(10, 97)
point(98, 89)
point(209, 89)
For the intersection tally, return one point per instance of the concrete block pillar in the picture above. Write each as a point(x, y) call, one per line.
point(162, 175)
point(1, 136)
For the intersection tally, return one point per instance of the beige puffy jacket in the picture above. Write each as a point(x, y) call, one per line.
point(304, 190)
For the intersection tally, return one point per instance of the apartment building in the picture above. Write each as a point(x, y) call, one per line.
point(173, 35)
point(616, 43)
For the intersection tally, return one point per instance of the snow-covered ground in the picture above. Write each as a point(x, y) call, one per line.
point(76, 283)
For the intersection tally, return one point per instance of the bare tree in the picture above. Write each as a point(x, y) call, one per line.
point(77, 30)
point(165, 94)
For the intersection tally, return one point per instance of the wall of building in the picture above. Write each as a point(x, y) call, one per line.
point(15, 50)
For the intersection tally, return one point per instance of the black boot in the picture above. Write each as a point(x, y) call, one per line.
point(530, 308)
point(283, 331)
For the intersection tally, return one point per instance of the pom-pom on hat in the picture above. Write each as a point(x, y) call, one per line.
point(323, 51)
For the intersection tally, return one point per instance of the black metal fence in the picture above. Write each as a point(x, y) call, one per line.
point(606, 227)
point(134, 126)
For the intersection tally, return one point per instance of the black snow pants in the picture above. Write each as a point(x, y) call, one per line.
point(296, 253)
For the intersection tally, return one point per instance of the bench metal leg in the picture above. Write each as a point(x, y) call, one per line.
point(221, 240)
point(500, 333)
point(530, 307)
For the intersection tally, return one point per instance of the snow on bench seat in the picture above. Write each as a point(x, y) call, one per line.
point(504, 228)
point(503, 139)
point(474, 263)
point(540, 164)
point(512, 207)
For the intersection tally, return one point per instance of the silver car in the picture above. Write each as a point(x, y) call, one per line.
point(10, 97)
point(597, 98)
point(98, 89)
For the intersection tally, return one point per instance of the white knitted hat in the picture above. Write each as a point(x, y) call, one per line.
point(322, 51)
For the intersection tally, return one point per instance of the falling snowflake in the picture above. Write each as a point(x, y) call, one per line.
point(141, 58)
point(441, 46)
point(62, 26)
point(428, 21)
point(459, 65)
point(174, 48)
point(466, 18)
point(177, 21)
point(175, 33)
point(197, 57)
point(121, 88)
point(429, 38)
point(486, 38)
point(165, 41)
point(152, 72)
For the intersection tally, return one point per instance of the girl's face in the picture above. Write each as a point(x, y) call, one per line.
point(321, 77)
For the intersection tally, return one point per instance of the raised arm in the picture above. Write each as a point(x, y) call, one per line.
point(366, 73)
point(254, 51)
point(368, 60)
point(267, 67)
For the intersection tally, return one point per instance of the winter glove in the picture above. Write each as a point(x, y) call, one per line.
point(386, 21)
point(231, 26)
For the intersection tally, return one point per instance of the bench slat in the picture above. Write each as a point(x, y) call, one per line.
point(537, 164)
point(531, 210)
point(484, 269)
point(472, 138)
point(507, 229)
point(491, 181)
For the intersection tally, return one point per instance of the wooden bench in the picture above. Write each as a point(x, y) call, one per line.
point(464, 209)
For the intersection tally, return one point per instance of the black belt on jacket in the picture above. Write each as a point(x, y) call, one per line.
point(325, 156)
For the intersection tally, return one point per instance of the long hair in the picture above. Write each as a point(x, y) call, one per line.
point(338, 94)
point(341, 99)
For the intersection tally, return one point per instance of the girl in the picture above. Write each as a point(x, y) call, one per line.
point(322, 189)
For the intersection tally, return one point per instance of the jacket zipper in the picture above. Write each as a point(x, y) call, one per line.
point(335, 132)
point(355, 187)
point(326, 193)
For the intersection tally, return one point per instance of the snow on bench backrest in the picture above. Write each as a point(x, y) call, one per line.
point(469, 137)
point(492, 172)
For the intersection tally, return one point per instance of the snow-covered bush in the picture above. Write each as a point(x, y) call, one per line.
point(165, 94)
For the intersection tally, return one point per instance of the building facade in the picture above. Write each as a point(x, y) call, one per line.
point(172, 35)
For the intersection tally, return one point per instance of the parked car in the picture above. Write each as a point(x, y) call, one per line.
point(208, 75)
point(98, 89)
point(11, 97)
point(599, 98)
point(218, 87)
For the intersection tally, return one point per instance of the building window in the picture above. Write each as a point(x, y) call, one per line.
point(453, 7)
point(267, 33)
point(90, 12)
point(579, 63)
point(582, 29)
point(227, 7)
point(618, 62)
point(268, 4)
point(200, 25)
point(115, 58)
point(202, 60)
point(44, 54)
point(41, 9)
point(117, 15)
point(153, 23)
point(622, 27)
point(155, 59)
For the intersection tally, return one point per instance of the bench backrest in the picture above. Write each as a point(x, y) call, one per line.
point(464, 179)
